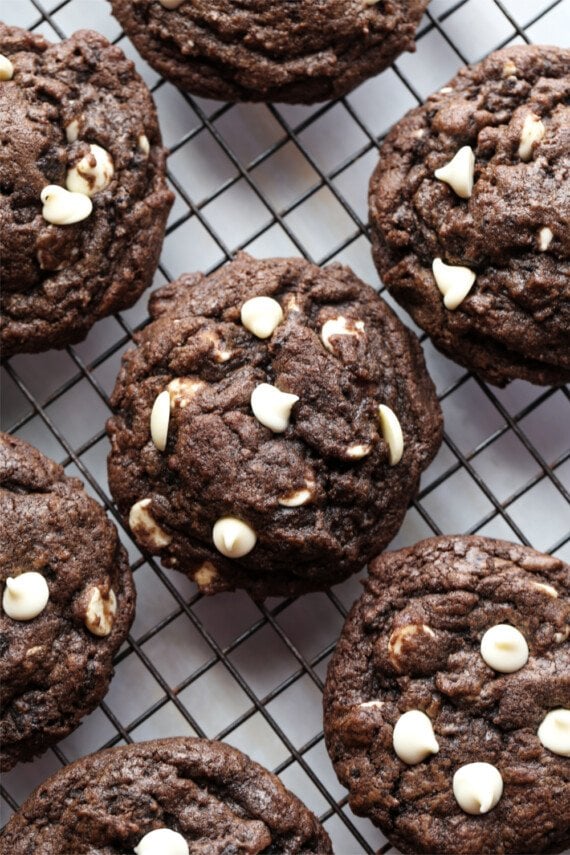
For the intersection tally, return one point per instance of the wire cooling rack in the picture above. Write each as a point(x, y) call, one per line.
point(284, 180)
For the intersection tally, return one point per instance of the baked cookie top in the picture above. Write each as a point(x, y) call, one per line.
point(204, 796)
point(271, 426)
point(470, 216)
point(67, 601)
point(263, 50)
point(457, 654)
point(83, 195)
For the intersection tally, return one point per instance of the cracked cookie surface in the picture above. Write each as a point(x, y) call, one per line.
point(262, 50)
point(512, 231)
point(59, 276)
point(414, 642)
point(211, 794)
point(55, 666)
point(320, 492)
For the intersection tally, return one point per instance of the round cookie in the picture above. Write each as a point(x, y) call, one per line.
point(67, 602)
point(248, 449)
point(457, 654)
point(207, 794)
point(268, 51)
point(83, 195)
point(469, 216)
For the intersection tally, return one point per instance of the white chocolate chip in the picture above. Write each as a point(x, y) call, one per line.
point(545, 236)
point(477, 787)
point(357, 452)
point(554, 732)
point(25, 596)
point(143, 524)
point(6, 68)
point(458, 173)
point(72, 131)
point(93, 173)
point(143, 145)
point(445, 90)
point(400, 634)
point(391, 433)
point(453, 281)
point(162, 841)
point(217, 354)
point(413, 738)
point(222, 355)
point(296, 498)
point(182, 390)
point(504, 648)
point(559, 637)
point(261, 316)
point(233, 538)
point(272, 407)
point(370, 2)
point(63, 208)
point(532, 132)
point(101, 611)
point(171, 4)
point(159, 419)
point(291, 304)
point(33, 651)
point(548, 589)
point(509, 68)
point(205, 574)
point(339, 326)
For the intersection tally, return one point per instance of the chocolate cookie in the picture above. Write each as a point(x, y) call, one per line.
point(447, 699)
point(67, 602)
point(271, 426)
point(297, 52)
point(83, 196)
point(204, 796)
point(469, 215)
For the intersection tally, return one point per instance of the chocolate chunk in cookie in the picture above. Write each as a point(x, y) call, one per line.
point(83, 194)
point(447, 701)
point(67, 602)
point(165, 797)
point(271, 51)
point(469, 210)
point(271, 426)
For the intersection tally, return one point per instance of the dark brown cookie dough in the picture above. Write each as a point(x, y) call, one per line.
point(513, 232)
point(57, 280)
point(413, 642)
point(264, 50)
point(211, 794)
point(322, 496)
point(55, 666)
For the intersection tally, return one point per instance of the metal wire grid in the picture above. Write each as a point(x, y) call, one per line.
point(532, 420)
